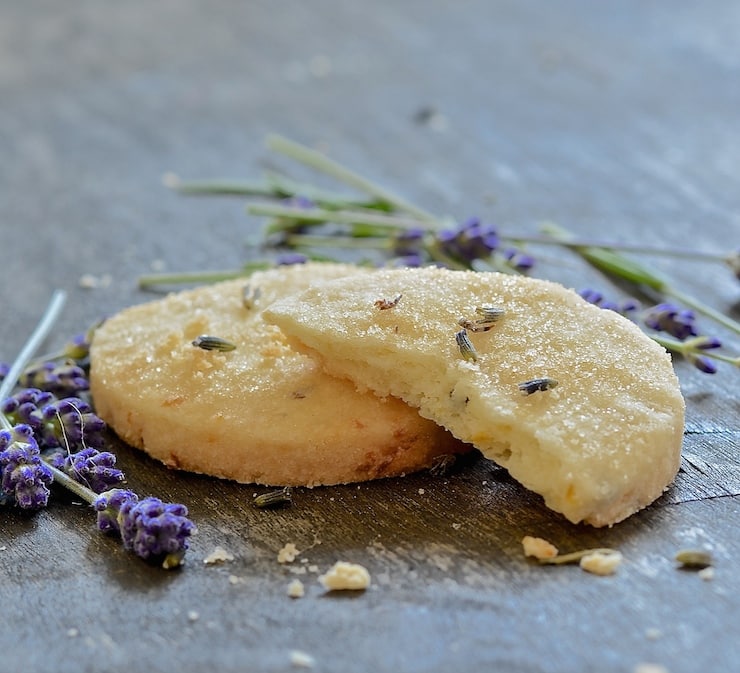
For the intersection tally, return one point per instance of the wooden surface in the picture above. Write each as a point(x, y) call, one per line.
point(618, 122)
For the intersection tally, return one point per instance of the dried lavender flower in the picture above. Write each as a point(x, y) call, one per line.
point(471, 240)
point(666, 317)
point(71, 424)
point(537, 385)
point(152, 529)
point(467, 350)
point(25, 406)
point(95, 469)
point(62, 380)
point(213, 343)
point(25, 477)
point(518, 260)
point(290, 258)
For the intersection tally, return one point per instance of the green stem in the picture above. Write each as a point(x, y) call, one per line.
point(684, 349)
point(623, 247)
point(155, 279)
point(355, 217)
point(702, 308)
point(38, 335)
point(321, 162)
point(347, 243)
point(71, 485)
point(221, 187)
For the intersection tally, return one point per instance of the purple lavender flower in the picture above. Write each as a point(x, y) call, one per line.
point(289, 258)
point(677, 322)
point(25, 477)
point(108, 506)
point(71, 424)
point(627, 307)
point(151, 528)
point(4, 370)
point(90, 467)
point(408, 242)
point(518, 260)
point(702, 363)
point(79, 347)
point(25, 407)
point(469, 241)
point(61, 380)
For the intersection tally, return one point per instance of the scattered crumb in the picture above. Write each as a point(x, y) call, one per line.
point(298, 570)
point(193, 616)
point(538, 547)
point(235, 579)
point(422, 491)
point(170, 180)
point(313, 568)
point(73, 633)
point(295, 589)
point(457, 526)
point(288, 553)
point(650, 668)
point(484, 483)
point(89, 282)
point(601, 563)
point(3, 548)
point(653, 633)
point(344, 576)
point(301, 659)
point(158, 265)
point(707, 573)
point(218, 555)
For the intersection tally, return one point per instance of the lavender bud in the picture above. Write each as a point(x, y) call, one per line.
point(704, 343)
point(4, 370)
point(152, 528)
point(669, 318)
point(290, 258)
point(71, 424)
point(89, 467)
point(591, 296)
point(62, 380)
point(408, 242)
point(702, 363)
point(518, 260)
point(25, 477)
point(25, 407)
point(108, 507)
point(470, 241)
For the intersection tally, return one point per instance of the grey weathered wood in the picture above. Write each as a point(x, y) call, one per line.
point(618, 123)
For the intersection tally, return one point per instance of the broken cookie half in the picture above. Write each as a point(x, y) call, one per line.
point(575, 401)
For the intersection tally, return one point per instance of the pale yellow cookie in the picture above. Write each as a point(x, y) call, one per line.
point(260, 413)
point(600, 445)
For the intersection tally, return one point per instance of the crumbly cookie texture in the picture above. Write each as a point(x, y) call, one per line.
point(261, 412)
point(575, 401)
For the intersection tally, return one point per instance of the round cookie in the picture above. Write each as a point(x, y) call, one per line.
point(261, 413)
point(575, 401)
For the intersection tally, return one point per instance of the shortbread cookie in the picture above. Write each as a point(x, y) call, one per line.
point(575, 401)
point(260, 413)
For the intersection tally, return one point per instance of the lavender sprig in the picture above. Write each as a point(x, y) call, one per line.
point(25, 478)
point(152, 529)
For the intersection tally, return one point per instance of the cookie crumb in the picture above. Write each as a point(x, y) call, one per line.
point(653, 633)
point(193, 616)
point(301, 659)
point(650, 668)
point(218, 555)
point(72, 633)
point(456, 526)
point(344, 576)
point(288, 553)
point(601, 563)
point(707, 574)
point(422, 491)
point(538, 547)
point(295, 589)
